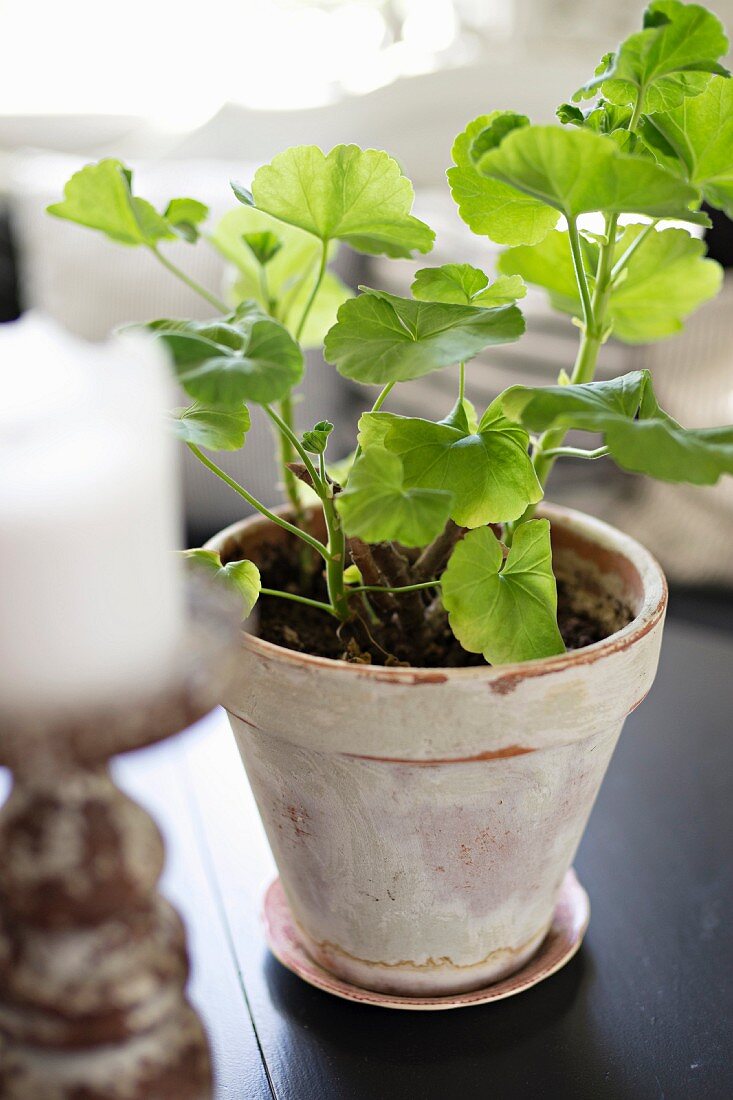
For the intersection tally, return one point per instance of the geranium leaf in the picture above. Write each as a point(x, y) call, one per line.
point(587, 407)
point(242, 193)
point(381, 338)
point(570, 115)
point(355, 195)
point(242, 577)
point(700, 133)
point(604, 118)
point(664, 63)
point(244, 357)
point(641, 437)
point(100, 196)
point(488, 470)
point(373, 428)
point(316, 440)
point(462, 284)
point(215, 429)
point(660, 447)
point(291, 271)
point(496, 129)
point(491, 208)
point(376, 505)
point(185, 216)
point(506, 610)
point(263, 245)
point(666, 278)
point(577, 172)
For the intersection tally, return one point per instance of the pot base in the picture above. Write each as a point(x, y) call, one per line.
point(565, 936)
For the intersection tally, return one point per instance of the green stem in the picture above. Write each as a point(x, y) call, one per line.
point(550, 441)
point(297, 447)
point(314, 291)
point(287, 447)
point(258, 505)
point(285, 451)
point(286, 454)
point(623, 260)
point(217, 303)
point(577, 452)
point(401, 588)
point(383, 394)
point(298, 599)
point(579, 269)
point(461, 381)
point(602, 292)
point(267, 302)
point(336, 560)
point(636, 114)
point(591, 341)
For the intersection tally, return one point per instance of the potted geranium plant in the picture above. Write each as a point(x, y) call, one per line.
point(424, 730)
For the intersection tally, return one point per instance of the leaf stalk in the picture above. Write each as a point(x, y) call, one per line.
point(419, 587)
point(217, 303)
point(299, 599)
point(258, 505)
point(382, 397)
point(577, 452)
point(296, 446)
point(314, 291)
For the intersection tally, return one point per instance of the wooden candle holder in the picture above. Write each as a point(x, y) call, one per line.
point(93, 961)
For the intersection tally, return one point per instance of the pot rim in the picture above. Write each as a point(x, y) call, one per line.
point(653, 607)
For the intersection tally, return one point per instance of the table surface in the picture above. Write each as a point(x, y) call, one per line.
point(645, 1010)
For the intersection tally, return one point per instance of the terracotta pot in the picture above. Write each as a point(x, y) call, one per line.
point(422, 820)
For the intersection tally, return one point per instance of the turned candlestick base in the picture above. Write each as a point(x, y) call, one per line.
point(93, 961)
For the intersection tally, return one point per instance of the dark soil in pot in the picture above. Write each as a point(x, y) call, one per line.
point(586, 614)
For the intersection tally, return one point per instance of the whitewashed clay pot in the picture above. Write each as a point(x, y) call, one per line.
point(422, 820)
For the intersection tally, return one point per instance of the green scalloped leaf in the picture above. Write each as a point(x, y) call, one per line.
point(577, 171)
point(212, 428)
point(463, 284)
point(666, 279)
point(641, 437)
point(377, 506)
point(350, 194)
point(291, 271)
point(316, 440)
point(699, 135)
point(491, 208)
point(245, 356)
point(185, 216)
point(506, 610)
point(264, 245)
point(99, 196)
point(381, 338)
point(488, 470)
point(667, 61)
point(240, 577)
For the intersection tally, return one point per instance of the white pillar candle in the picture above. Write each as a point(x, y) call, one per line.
point(91, 598)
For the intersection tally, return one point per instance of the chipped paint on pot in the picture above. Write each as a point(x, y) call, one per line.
point(422, 820)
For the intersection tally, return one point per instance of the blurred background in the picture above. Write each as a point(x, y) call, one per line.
point(191, 97)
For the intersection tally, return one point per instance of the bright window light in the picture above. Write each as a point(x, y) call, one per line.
point(176, 64)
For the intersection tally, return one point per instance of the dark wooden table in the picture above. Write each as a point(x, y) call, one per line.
point(645, 1010)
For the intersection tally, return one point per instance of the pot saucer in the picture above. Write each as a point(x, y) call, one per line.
point(569, 923)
